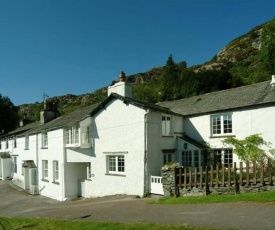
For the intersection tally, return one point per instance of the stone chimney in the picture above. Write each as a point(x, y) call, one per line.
point(122, 87)
point(49, 112)
point(272, 83)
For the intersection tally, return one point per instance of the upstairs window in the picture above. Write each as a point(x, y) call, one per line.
point(44, 140)
point(166, 125)
point(221, 124)
point(72, 136)
point(7, 143)
point(27, 142)
point(14, 141)
point(85, 135)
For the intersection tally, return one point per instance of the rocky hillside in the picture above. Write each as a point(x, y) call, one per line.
point(247, 59)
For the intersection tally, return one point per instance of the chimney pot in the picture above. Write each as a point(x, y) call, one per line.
point(122, 76)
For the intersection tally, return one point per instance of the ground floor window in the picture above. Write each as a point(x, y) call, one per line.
point(167, 157)
point(223, 156)
point(191, 158)
point(15, 164)
point(45, 170)
point(116, 164)
point(55, 171)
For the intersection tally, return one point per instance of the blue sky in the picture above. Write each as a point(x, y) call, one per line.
point(77, 46)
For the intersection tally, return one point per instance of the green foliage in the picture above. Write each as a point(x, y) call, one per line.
point(8, 115)
point(248, 149)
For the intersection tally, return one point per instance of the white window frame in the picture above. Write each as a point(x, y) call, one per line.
point(45, 169)
point(166, 125)
point(192, 158)
point(55, 171)
point(221, 124)
point(7, 143)
point(15, 164)
point(72, 136)
point(15, 141)
point(27, 142)
point(223, 156)
point(44, 139)
point(116, 164)
point(167, 158)
point(89, 171)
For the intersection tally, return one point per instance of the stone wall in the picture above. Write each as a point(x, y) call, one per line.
point(170, 188)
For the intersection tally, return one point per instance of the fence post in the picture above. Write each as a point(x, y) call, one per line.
point(247, 166)
point(235, 179)
point(254, 173)
point(206, 181)
point(217, 175)
point(269, 172)
point(262, 172)
point(241, 173)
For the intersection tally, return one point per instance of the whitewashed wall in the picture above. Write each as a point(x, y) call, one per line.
point(245, 123)
point(54, 152)
point(117, 128)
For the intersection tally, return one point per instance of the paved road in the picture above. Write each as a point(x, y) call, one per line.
point(15, 202)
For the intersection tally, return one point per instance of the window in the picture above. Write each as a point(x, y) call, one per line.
point(192, 158)
point(166, 125)
point(7, 143)
point(45, 170)
point(89, 171)
point(26, 142)
point(85, 138)
point(221, 124)
point(116, 164)
point(15, 164)
point(167, 157)
point(187, 158)
point(44, 138)
point(55, 171)
point(14, 141)
point(72, 136)
point(223, 156)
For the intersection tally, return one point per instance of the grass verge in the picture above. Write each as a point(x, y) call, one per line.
point(50, 224)
point(268, 196)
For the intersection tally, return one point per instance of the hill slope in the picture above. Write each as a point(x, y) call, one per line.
point(247, 59)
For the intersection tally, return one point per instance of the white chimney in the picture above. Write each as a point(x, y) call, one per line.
point(122, 87)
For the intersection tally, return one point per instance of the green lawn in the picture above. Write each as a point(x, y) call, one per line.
point(52, 224)
point(268, 196)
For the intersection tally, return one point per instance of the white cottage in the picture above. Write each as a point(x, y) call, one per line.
point(238, 112)
point(115, 146)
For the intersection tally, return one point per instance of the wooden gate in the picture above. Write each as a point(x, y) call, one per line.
point(156, 185)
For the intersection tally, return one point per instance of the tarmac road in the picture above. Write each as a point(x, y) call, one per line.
point(15, 202)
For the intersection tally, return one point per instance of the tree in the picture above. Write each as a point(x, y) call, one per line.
point(248, 149)
point(170, 77)
point(8, 115)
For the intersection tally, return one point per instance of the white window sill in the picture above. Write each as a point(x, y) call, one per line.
point(72, 145)
point(224, 135)
point(115, 174)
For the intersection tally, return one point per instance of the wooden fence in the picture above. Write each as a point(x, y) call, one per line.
point(220, 176)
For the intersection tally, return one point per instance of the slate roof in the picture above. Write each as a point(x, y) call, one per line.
point(246, 96)
point(65, 120)
point(140, 104)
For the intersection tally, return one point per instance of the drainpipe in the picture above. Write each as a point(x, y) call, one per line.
point(146, 173)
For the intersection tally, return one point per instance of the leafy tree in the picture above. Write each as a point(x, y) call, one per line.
point(8, 114)
point(248, 149)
